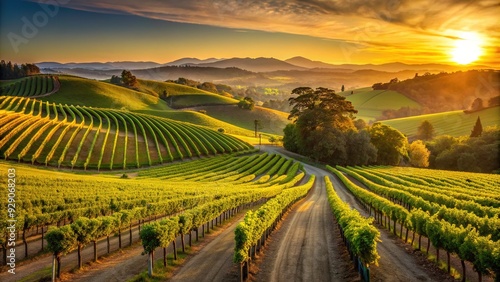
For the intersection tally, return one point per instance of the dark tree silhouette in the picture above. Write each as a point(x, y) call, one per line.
point(477, 130)
point(13, 71)
point(128, 79)
point(425, 131)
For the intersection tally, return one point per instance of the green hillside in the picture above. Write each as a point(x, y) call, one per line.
point(181, 95)
point(271, 121)
point(93, 93)
point(200, 119)
point(454, 123)
point(31, 86)
point(84, 137)
point(371, 103)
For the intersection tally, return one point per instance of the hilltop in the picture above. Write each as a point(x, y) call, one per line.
point(449, 91)
point(201, 107)
point(87, 92)
point(454, 123)
point(372, 103)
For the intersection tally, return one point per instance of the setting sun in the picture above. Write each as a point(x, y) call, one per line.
point(467, 49)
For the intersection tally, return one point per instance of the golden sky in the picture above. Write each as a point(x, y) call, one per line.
point(333, 31)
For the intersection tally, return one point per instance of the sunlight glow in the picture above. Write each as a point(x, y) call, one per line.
point(467, 49)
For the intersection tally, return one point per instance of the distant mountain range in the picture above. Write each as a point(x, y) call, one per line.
point(99, 66)
point(257, 65)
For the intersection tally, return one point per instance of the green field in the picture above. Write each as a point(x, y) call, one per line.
point(454, 123)
point(32, 86)
point(203, 120)
point(371, 103)
point(84, 137)
point(272, 121)
point(183, 96)
point(187, 196)
point(92, 93)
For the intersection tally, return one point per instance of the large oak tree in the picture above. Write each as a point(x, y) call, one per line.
point(322, 121)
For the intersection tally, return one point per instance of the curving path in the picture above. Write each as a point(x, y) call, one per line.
point(299, 259)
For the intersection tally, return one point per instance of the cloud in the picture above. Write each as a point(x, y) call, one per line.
point(367, 22)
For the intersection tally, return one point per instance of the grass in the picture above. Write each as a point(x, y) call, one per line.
point(454, 123)
point(192, 100)
point(272, 121)
point(42, 275)
point(201, 119)
point(182, 95)
point(371, 103)
point(87, 92)
point(136, 146)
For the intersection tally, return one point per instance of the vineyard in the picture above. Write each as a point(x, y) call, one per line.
point(195, 192)
point(32, 86)
point(92, 138)
point(458, 212)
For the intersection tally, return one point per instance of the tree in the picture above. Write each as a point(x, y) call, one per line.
point(390, 143)
point(360, 124)
point(343, 88)
point(208, 86)
point(419, 155)
point(425, 131)
point(246, 103)
point(290, 138)
point(327, 144)
point(477, 130)
point(321, 119)
point(84, 230)
point(360, 150)
point(150, 238)
point(494, 101)
point(257, 126)
point(128, 79)
point(60, 241)
point(115, 79)
point(439, 145)
point(477, 105)
point(13, 71)
point(328, 107)
point(185, 226)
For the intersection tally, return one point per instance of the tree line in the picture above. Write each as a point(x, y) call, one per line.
point(14, 71)
point(446, 91)
point(478, 152)
point(324, 128)
point(215, 88)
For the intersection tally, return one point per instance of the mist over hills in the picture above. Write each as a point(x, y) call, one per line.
point(256, 72)
point(260, 64)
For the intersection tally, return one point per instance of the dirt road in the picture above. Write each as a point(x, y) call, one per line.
point(307, 248)
point(304, 254)
point(213, 262)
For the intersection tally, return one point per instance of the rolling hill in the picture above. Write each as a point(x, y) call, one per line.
point(92, 93)
point(371, 103)
point(182, 96)
point(145, 99)
point(450, 91)
point(86, 137)
point(253, 64)
point(271, 121)
point(454, 123)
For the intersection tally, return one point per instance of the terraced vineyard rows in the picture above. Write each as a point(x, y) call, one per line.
point(117, 203)
point(82, 137)
point(463, 221)
point(32, 86)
